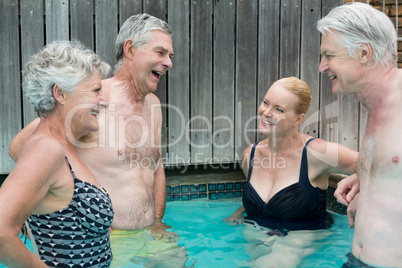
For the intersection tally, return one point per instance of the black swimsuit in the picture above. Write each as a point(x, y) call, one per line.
point(77, 236)
point(299, 206)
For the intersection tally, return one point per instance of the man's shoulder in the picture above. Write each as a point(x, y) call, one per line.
point(152, 99)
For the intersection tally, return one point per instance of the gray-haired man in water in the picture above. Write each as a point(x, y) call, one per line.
point(125, 154)
point(359, 54)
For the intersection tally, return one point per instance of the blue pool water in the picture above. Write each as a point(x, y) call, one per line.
point(208, 241)
point(212, 243)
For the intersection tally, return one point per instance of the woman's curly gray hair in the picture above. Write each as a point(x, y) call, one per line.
point(65, 63)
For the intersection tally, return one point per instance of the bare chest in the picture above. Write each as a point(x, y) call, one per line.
point(128, 136)
point(381, 153)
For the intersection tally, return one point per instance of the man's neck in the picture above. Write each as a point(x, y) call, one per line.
point(123, 87)
point(125, 84)
point(377, 87)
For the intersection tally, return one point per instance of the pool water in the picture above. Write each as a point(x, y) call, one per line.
point(213, 243)
point(210, 242)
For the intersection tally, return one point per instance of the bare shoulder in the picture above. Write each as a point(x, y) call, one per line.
point(320, 150)
point(154, 105)
point(325, 147)
point(152, 99)
point(246, 154)
point(247, 151)
point(317, 144)
point(38, 170)
point(42, 150)
point(245, 160)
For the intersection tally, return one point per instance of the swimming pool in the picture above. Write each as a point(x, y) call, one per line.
point(210, 242)
point(213, 243)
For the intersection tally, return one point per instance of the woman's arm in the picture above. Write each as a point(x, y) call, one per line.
point(245, 160)
point(21, 194)
point(238, 214)
point(332, 157)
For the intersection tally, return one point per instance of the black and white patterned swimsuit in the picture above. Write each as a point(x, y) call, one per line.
point(77, 236)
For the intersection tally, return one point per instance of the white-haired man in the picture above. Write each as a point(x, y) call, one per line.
point(359, 54)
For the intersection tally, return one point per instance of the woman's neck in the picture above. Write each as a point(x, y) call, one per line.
point(55, 123)
point(284, 143)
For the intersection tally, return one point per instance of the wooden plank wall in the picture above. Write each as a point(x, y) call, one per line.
point(228, 53)
point(10, 100)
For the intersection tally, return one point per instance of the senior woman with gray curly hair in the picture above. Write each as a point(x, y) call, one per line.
point(66, 212)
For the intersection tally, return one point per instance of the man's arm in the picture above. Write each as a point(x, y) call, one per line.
point(160, 192)
point(16, 144)
point(159, 178)
point(159, 174)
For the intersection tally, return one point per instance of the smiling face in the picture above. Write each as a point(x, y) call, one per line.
point(151, 61)
point(277, 112)
point(82, 106)
point(343, 70)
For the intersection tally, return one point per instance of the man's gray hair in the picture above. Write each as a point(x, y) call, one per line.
point(138, 28)
point(361, 24)
point(65, 63)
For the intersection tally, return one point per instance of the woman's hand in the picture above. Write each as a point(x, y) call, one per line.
point(236, 218)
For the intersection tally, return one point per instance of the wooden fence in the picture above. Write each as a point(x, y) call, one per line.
point(228, 53)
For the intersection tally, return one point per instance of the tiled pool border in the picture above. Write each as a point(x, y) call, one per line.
point(212, 191)
point(226, 190)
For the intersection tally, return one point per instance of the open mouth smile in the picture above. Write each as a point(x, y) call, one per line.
point(157, 74)
point(267, 123)
point(95, 113)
